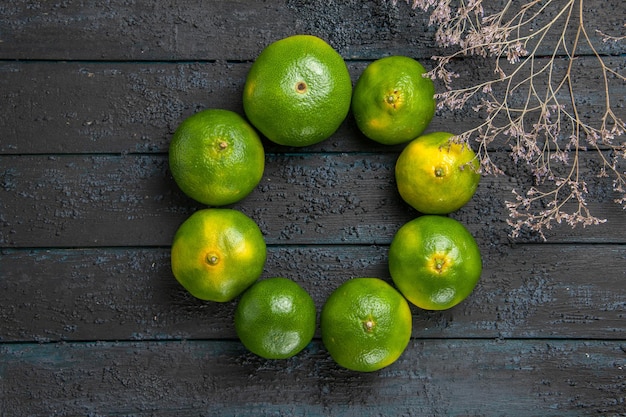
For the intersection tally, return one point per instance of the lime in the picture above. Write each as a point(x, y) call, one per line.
point(217, 253)
point(435, 175)
point(216, 157)
point(275, 318)
point(298, 91)
point(365, 324)
point(435, 262)
point(392, 101)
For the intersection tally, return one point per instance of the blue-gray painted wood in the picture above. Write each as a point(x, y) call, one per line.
point(135, 107)
point(321, 198)
point(537, 291)
point(220, 378)
point(92, 322)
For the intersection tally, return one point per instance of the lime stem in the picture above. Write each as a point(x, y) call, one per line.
point(301, 87)
point(392, 99)
point(212, 259)
point(439, 263)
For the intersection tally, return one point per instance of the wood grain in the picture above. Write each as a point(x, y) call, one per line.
point(93, 323)
point(135, 107)
point(208, 378)
point(167, 30)
point(338, 198)
point(130, 294)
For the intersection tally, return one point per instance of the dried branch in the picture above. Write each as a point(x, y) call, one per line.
point(532, 102)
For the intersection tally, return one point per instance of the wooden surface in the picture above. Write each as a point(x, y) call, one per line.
point(92, 323)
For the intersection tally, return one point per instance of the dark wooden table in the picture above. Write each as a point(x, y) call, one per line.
point(92, 322)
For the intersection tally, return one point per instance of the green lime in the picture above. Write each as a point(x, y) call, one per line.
point(216, 157)
point(435, 175)
point(392, 101)
point(365, 324)
point(298, 91)
point(435, 262)
point(217, 253)
point(275, 318)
